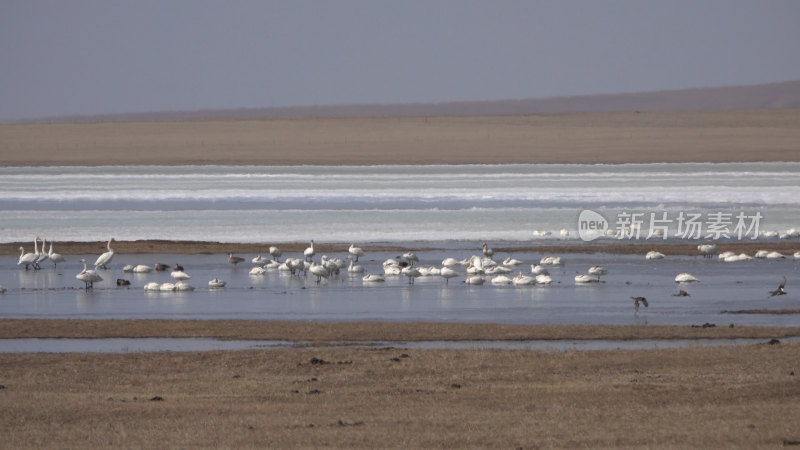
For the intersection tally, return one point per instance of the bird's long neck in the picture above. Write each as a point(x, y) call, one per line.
point(109, 245)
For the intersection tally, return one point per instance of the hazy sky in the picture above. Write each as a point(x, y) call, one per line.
point(91, 57)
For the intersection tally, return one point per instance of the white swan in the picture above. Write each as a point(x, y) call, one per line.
point(550, 261)
point(274, 252)
point(448, 273)
point(775, 255)
point(598, 271)
point(511, 262)
point(256, 271)
point(412, 273)
point(42, 256)
point(797, 255)
point(475, 280)
point(353, 267)
point(724, 255)
point(411, 258)
point(523, 280)
point(166, 287)
point(310, 252)
point(142, 268)
point(430, 271)
point(29, 258)
point(106, 257)
point(272, 265)
point(685, 278)
point(497, 270)
point(543, 278)
point(541, 233)
point(487, 252)
point(449, 262)
point(182, 286)
point(318, 270)
point(259, 261)
point(216, 283)
point(761, 254)
point(392, 270)
point(737, 258)
point(373, 278)
point(152, 286)
point(501, 280)
point(707, 249)
point(537, 269)
point(654, 255)
point(586, 279)
point(180, 275)
point(88, 276)
point(356, 251)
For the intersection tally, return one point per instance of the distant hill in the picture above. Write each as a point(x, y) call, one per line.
point(763, 96)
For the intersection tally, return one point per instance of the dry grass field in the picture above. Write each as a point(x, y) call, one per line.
point(326, 395)
point(625, 137)
point(729, 397)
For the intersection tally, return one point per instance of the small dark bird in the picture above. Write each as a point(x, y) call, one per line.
point(781, 289)
point(177, 267)
point(234, 259)
point(160, 267)
point(637, 300)
point(123, 282)
point(681, 293)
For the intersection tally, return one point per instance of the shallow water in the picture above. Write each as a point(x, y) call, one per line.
point(55, 293)
point(133, 345)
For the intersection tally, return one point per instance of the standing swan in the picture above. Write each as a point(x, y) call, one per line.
point(27, 258)
point(487, 252)
point(310, 252)
point(55, 257)
point(42, 256)
point(88, 276)
point(106, 257)
point(275, 252)
point(356, 251)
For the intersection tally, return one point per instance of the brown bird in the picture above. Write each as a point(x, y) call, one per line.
point(637, 301)
point(234, 259)
point(123, 282)
point(781, 289)
point(177, 267)
point(160, 267)
point(681, 293)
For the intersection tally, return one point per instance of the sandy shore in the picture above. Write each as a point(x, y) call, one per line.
point(194, 247)
point(627, 137)
point(329, 396)
point(321, 332)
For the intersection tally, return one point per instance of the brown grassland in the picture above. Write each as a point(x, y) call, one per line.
point(332, 396)
point(624, 137)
